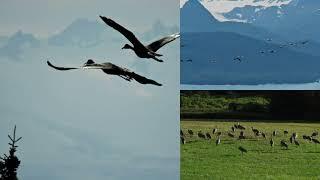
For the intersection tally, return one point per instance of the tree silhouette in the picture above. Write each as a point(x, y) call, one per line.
point(10, 163)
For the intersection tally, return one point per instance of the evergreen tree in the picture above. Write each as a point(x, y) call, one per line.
point(9, 163)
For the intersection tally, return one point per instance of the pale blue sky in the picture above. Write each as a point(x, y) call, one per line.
point(44, 18)
point(84, 124)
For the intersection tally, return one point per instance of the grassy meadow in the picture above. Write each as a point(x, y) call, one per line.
point(203, 159)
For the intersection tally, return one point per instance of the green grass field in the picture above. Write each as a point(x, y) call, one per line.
point(202, 159)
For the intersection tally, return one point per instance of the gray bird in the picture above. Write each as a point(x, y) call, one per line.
point(201, 135)
point(316, 141)
point(284, 144)
point(314, 134)
point(181, 133)
point(190, 132)
point(218, 141)
point(182, 140)
point(271, 142)
point(214, 131)
point(230, 135)
point(110, 69)
point(208, 135)
point(294, 135)
point(241, 127)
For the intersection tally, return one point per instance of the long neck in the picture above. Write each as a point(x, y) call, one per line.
point(130, 47)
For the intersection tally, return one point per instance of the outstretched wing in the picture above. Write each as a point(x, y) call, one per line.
point(60, 68)
point(144, 80)
point(161, 42)
point(126, 74)
point(128, 34)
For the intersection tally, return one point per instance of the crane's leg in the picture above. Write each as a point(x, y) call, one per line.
point(155, 58)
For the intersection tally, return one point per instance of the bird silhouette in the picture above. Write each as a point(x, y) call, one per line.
point(110, 69)
point(141, 50)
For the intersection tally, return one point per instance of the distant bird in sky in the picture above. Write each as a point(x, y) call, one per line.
point(238, 58)
point(272, 51)
point(110, 69)
point(141, 50)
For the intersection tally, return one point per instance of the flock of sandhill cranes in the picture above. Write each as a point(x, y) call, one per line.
point(232, 133)
point(141, 50)
point(240, 58)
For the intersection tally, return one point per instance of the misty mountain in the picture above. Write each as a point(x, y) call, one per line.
point(14, 46)
point(212, 55)
point(80, 33)
point(85, 34)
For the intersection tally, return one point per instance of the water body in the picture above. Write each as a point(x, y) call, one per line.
point(305, 86)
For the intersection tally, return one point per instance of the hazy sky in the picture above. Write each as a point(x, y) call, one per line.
point(44, 18)
point(84, 124)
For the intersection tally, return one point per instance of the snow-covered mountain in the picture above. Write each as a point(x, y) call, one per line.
point(261, 38)
point(194, 17)
point(300, 19)
point(218, 7)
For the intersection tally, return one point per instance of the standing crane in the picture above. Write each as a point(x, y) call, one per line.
point(284, 144)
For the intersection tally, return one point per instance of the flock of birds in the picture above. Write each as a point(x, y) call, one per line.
point(232, 133)
point(141, 50)
point(241, 58)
